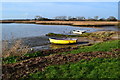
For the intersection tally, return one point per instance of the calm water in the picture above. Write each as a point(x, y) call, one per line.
point(34, 35)
point(14, 30)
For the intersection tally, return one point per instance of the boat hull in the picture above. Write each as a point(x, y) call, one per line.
point(57, 41)
point(78, 31)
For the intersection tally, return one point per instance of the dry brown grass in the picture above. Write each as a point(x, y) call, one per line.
point(73, 23)
point(95, 23)
point(79, 23)
point(16, 49)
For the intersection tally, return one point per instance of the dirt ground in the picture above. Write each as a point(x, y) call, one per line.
point(21, 69)
point(29, 65)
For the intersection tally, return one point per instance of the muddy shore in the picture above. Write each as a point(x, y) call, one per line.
point(26, 67)
point(29, 65)
point(42, 43)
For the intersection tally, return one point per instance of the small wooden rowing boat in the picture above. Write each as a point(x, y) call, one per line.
point(62, 40)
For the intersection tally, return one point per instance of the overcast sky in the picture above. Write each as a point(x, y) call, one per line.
point(12, 10)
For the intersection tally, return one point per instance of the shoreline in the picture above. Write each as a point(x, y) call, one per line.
point(42, 43)
point(26, 65)
point(41, 59)
point(70, 23)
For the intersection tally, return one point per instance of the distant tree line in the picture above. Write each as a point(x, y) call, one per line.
point(78, 18)
point(68, 18)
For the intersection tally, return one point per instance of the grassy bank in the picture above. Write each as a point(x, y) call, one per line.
point(72, 23)
point(100, 60)
point(97, 35)
point(105, 46)
point(80, 23)
point(97, 68)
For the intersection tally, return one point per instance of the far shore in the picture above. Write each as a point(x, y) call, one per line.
point(71, 23)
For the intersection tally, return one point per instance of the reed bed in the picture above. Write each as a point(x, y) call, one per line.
point(80, 23)
point(72, 23)
point(14, 49)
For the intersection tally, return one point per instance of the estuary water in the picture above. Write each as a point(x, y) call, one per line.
point(13, 30)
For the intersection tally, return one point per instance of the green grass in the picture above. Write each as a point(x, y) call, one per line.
point(95, 68)
point(104, 46)
point(11, 59)
point(14, 59)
